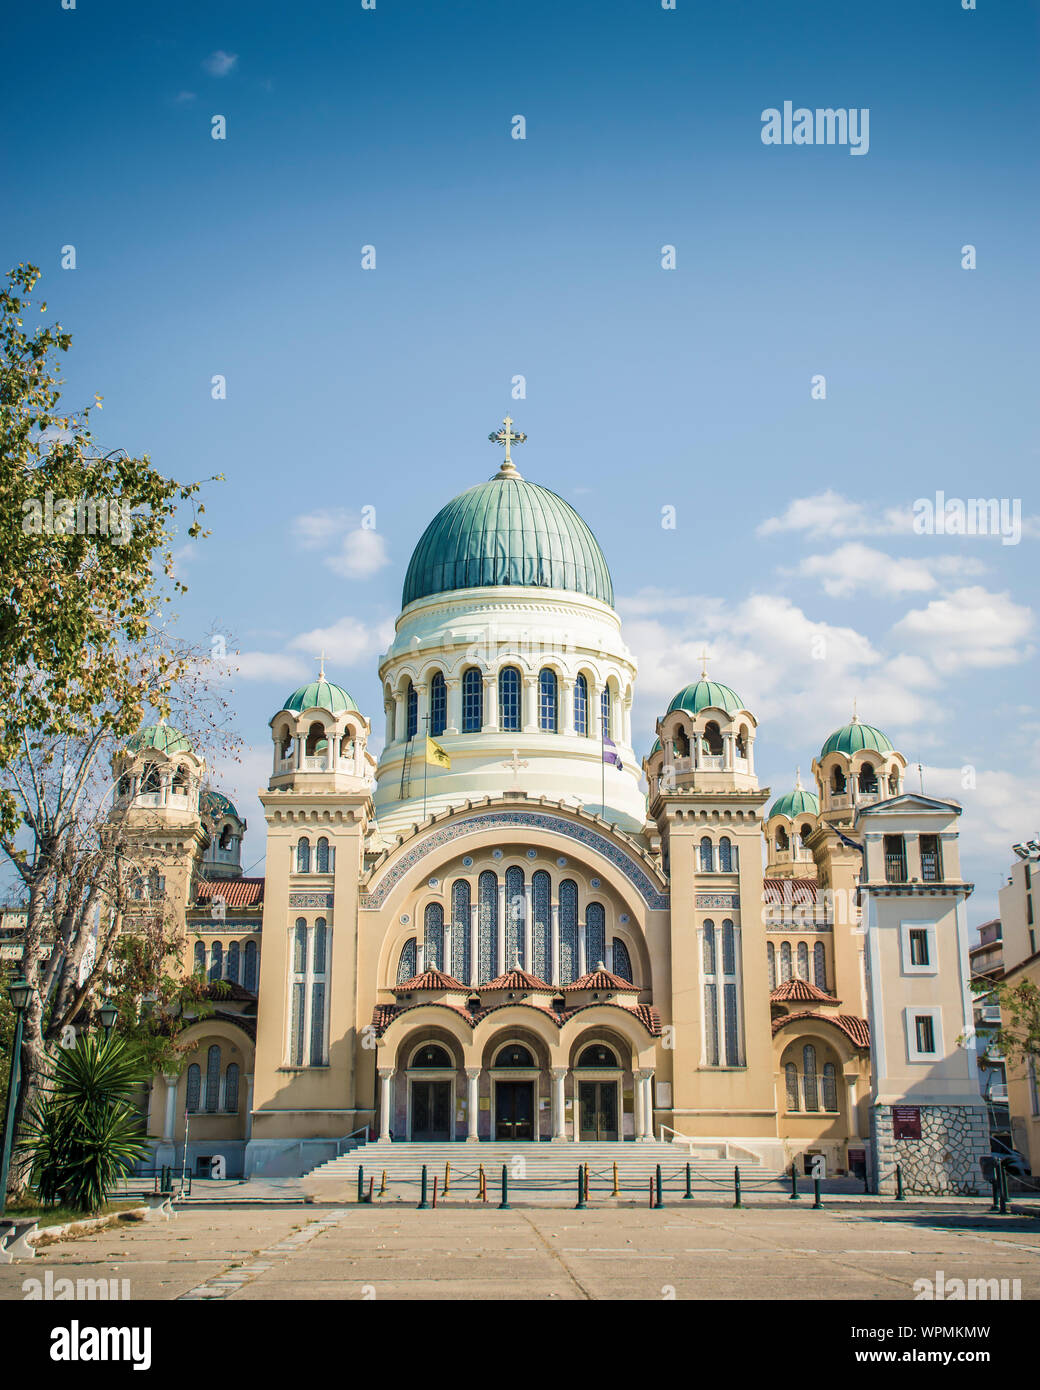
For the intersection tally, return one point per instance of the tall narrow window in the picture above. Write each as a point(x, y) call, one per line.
point(231, 1088)
point(595, 935)
point(249, 966)
point(200, 958)
point(606, 712)
point(924, 1027)
point(216, 961)
point(730, 999)
point(438, 705)
point(791, 1082)
point(706, 854)
point(541, 925)
point(212, 1079)
point(895, 859)
point(931, 862)
point(622, 962)
point(472, 701)
point(412, 707)
point(820, 965)
point(303, 856)
point(785, 960)
point(711, 995)
point(322, 856)
point(812, 1099)
point(547, 701)
point(568, 931)
point(433, 937)
point(232, 962)
point(771, 964)
point(515, 914)
point(319, 968)
point(297, 1021)
point(194, 1089)
point(487, 926)
point(803, 961)
point(509, 700)
point(406, 961)
point(725, 855)
point(581, 706)
point(460, 896)
point(830, 1087)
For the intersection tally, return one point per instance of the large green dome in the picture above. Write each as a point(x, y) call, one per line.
point(795, 803)
point(162, 736)
point(851, 738)
point(693, 698)
point(507, 531)
point(320, 694)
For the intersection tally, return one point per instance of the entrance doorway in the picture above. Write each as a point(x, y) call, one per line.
point(514, 1110)
point(431, 1110)
point(597, 1102)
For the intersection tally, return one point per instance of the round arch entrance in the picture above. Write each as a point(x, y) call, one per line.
point(597, 1075)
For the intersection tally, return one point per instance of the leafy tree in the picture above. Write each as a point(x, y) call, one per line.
point(1017, 1038)
point(82, 1133)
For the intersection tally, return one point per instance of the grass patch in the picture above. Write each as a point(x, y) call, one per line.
point(26, 1208)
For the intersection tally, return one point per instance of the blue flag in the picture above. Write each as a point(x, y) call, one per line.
point(611, 755)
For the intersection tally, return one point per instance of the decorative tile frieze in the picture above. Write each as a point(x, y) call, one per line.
point(310, 899)
point(719, 901)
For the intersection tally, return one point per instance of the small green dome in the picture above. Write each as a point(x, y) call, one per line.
point(694, 698)
point(656, 748)
point(851, 738)
point(162, 736)
point(507, 531)
point(215, 804)
point(795, 803)
point(320, 694)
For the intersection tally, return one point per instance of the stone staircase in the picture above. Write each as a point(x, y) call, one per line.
point(542, 1169)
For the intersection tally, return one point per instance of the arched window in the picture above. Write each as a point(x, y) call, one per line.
point(249, 967)
point(200, 958)
point(317, 743)
point(300, 947)
point(438, 705)
point(725, 855)
point(433, 1057)
point(472, 701)
point(225, 838)
point(812, 1099)
point(151, 781)
point(194, 1088)
point(791, 1082)
point(785, 961)
point(233, 961)
point(740, 745)
point(303, 856)
point(830, 1087)
point(782, 842)
point(711, 995)
point(771, 963)
point(547, 700)
point(681, 744)
point(820, 965)
point(212, 1079)
point(595, 935)
point(514, 1055)
point(729, 949)
point(568, 931)
point(803, 961)
point(319, 956)
point(581, 706)
point(179, 785)
point(285, 746)
point(622, 961)
point(433, 937)
point(322, 856)
point(541, 926)
point(515, 912)
point(712, 739)
point(406, 961)
point(460, 895)
point(706, 854)
point(597, 1055)
point(156, 884)
point(868, 779)
point(606, 712)
point(709, 948)
point(509, 700)
point(216, 961)
point(412, 701)
point(487, 926)
point(803, 835)
point(838, 781)
point(298, 993)
point(231, 1088)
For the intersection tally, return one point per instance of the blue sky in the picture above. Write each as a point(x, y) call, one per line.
point(541, 257)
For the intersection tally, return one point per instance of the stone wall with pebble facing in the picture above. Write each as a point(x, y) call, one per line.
point(943, 1162)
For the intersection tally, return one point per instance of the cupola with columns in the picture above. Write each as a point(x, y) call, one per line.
point(320, 740)
point(790, 821)
point(857, 766)
point(705, 740)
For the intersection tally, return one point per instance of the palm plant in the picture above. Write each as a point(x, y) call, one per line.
point(83, 1133)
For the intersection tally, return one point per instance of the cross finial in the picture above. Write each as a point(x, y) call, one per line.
point(321, 665)
point(704, 658)
point(507, 436)
point(798, 779)
point(515, 762)
point(855, 710)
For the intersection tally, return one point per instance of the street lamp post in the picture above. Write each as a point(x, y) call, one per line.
point(20, 992)
point(108, 1013)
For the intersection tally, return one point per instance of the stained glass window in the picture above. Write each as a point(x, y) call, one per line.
point(303, 856)
point(622, 962)
point(568, 931)
point(706, 855)
point(406, 961)
point(509, 699)
point(812, 1100)
point(729, 949)
point(830, 1088)
point(438, 705)
point(541, 927)
point(725, 855)
point(233, 961)
point(771, 962)
point(300, 946)
point(231, 1088)
point(323, 856)
point(200, 957)
point(296, 1039)
point(709, 948)
point(785, 960)
point(791, 1082)
point(460, 896)
point(249, 968)
point(320, 934)
point(711, 1026)
point(820, 965)
point(581, 706)
point(732, 1029)
point(317, 1023)
point(547, 700)
point(194, 1088)
point(216, 960)
point(212, 1078)
point(472, 701)
point(803, 961)
point(595, 935)
point(487, 926)
point(605, 712)
point(412, 699)
point(433, 937)
point(515, 906)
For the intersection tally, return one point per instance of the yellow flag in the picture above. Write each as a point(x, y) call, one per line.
point(435, 754)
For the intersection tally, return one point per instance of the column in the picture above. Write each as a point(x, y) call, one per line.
point(583, 965)
point(249, 1105)
point(401, 717)
point(389, 710)
point(500, 958)
point(626, 724)
point(422, 710)
point(472, 1104)
point(567, 695)
point(559, 1132)
point(727, 752)
point(474, 941)
point(490, 725)
point(454, 709)
point(386, 1101)
point(555, 945)
point(446, 952)
point(637, 1104)
point(420, 951)
point(170, 1119)
point(528, 926)
point(648, 1104)
point(595, 722)
point(529, 714)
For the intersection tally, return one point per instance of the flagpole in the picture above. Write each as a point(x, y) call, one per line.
point(602, 765)
point(426, 763)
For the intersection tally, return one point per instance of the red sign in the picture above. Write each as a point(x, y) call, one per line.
point(906, 1122)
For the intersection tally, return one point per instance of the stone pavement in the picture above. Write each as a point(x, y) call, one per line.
point(698, 1252)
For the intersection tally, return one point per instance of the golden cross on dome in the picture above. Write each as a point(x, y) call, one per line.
point(321, 659)
point(704, 658)
point(507, 436)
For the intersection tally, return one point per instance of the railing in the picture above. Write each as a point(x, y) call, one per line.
point(315, 764)
point(895, 868)
point(362, 1129)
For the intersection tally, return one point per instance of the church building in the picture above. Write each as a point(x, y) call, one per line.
point(508, 926)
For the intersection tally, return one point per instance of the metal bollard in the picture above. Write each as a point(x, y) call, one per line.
point(660, 1197)
point(617, 1190)
point(899, 1183)
point(382, 1185)
point(736, 1188)
point(423, 1203)
point(1003, 1188)
point(447, 1177)
point(435, 1191)
point(361, 1183)
point(579, 1205)
point(688, 1194)
point(795, 1194)
point(650, 1204)
point(817, 1204)
point(504, 1204)
point(482, 1185)
point(995, 1204)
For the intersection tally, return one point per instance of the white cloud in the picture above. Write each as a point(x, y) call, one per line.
point(266, 666)
point(855, 566)
point(347, 642)
point(219, 63)
point(829, 514)
point(361, 551)
point(969, 627)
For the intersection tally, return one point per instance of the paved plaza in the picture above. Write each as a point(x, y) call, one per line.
point(686, 1251)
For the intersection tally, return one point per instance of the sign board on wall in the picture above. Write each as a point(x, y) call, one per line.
point(906, 1122)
